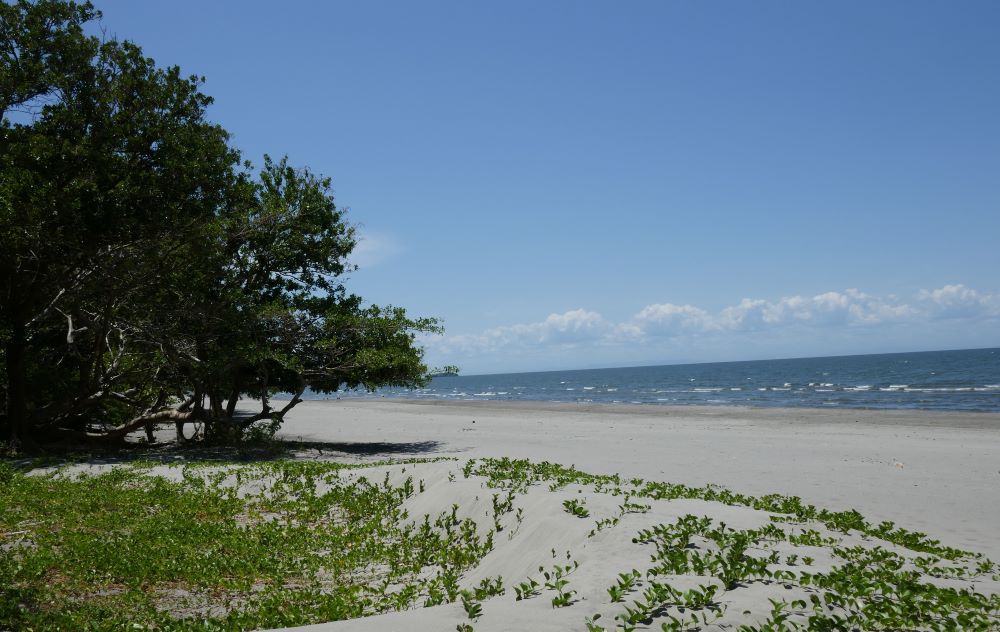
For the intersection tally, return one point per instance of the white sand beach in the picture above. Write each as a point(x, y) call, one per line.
point(938, 473)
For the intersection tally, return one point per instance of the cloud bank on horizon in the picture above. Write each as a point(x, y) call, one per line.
point(836, 322)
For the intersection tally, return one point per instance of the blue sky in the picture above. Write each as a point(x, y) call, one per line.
point(583, 184)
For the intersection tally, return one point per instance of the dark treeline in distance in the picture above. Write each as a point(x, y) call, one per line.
point(148, 273)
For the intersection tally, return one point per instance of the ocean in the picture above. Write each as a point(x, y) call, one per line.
point(966, 380)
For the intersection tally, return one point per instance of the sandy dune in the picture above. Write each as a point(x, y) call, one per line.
point(931, 472)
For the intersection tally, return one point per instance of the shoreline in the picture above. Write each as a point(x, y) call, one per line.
point(811, 414)
point(938, 473)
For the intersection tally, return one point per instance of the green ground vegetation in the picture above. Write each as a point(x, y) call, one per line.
point(311, 544)
point(222, 545)
point(898, 580)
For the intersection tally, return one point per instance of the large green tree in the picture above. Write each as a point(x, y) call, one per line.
point(147, 274)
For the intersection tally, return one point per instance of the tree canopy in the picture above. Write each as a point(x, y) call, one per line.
point(148, 273)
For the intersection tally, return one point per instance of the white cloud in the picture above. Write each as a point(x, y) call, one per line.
point(848, 308)
point(750, 314)
point(958, 301)
point(828, 312)
point(572, 326)
point(668, 319)
point(373, 249)
point(569, 328)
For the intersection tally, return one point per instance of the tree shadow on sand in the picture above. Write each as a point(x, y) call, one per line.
point(245, 452)
point(373, 448)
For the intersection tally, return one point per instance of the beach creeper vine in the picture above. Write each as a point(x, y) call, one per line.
point(282, 543)
point(225, 547)
point(868, 588)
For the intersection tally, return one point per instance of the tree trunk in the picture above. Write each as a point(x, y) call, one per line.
point(292, 403)
point(188, 403)
point(215, 403)
point(234, 398)
point(161, 399)
point(164, 416)
point(199, 400)
point(265, 407)
point(270, 413)
point(17, 399)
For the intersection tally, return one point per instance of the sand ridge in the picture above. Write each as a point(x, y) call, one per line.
point(539, 533)
point(932, 472)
